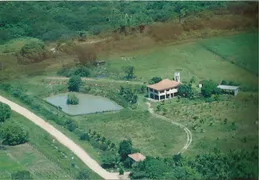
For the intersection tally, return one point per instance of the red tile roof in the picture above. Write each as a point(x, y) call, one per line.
point(164, 84)
point(137, 157)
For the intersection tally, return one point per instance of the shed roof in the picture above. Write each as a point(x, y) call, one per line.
point(164, 84)
point(226, 87)
point(137, 157)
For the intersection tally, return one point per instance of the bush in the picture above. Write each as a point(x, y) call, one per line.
point(129, 72)
point(81, 71)
point(13, 134)
point(21, 175)
point(72, 99)
point(74, 83)
point(5, 112)
point(32, 52)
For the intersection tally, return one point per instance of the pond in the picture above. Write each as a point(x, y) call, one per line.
point(87, 104)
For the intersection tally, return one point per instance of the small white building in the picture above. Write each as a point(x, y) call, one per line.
point(165, 89)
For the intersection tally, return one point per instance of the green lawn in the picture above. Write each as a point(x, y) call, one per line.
point(192, 59)
point(44, 158)
point(241, 109)
point(152, 136)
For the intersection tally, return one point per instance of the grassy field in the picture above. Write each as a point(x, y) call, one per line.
point(209, 118)
point(44, 158)
point(154, 137)
point(193, 59)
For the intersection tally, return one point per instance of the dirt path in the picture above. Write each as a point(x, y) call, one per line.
point(187, 131)
point(95, 79)
point(76, 149)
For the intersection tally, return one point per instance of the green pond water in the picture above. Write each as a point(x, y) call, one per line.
point(87, 104)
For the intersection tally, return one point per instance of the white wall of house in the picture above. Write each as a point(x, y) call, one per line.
point(168, 93)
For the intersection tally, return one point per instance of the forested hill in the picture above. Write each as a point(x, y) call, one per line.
point(52, 20)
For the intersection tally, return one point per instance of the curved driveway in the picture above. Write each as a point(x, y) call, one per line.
point(76, 149)
point(187, 131)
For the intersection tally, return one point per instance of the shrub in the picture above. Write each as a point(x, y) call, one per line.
point(74, 83)
point(32, 52)
point(5, 112)
point(13, 134)
point(121, 171)
point(72, 99)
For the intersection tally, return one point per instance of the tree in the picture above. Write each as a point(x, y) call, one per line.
point(21, 175)
point(185, 90)
point(72, 99)
point(5, 112)
point(129, 95)
point(129, 71)
point(125, 149)
point(209, 88)
point(13, 134)
point(155, 80)
point(87, 55)
point(74, 83)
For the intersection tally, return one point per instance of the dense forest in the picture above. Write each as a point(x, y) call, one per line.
point(54, 20)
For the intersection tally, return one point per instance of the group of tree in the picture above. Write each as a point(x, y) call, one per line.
point(236, 164)
point(128, 94)
point(54, 20)
point(10, 133)
point(185, 90)
point(72, 99)
point(209, 87)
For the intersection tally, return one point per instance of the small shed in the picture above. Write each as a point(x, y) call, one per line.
point(137, 157)
point(233, 89)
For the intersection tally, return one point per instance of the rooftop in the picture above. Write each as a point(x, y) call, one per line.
point(226, 87)
point(137, 157)
point(164, 84)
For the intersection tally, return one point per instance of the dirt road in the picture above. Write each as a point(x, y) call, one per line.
point(187, 131)
point(95, 79)
point(76, 149)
